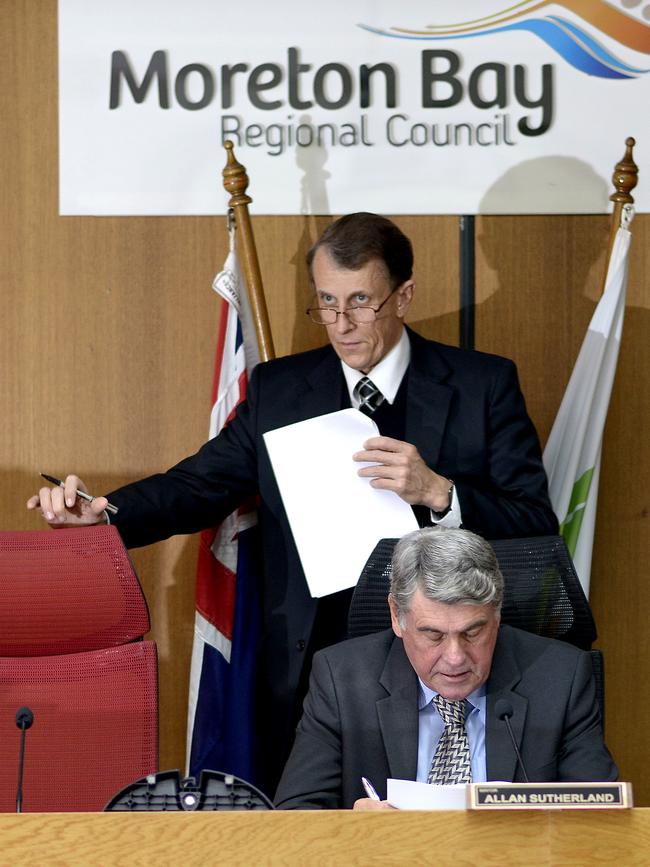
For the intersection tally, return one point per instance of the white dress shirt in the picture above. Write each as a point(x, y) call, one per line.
point(387, 376)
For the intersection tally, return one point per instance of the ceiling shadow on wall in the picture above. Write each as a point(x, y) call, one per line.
point(314, 200)
point(539, 275)
point(555, 184)
point(563, 187)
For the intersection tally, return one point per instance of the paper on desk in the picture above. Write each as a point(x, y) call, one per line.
point(336, 517)
point(409, 795)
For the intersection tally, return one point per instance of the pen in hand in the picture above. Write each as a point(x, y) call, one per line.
point(370, 789)
point(82, 494)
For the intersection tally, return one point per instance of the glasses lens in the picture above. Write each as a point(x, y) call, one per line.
point(322, 316)
point(327, 316)
point(361, 314)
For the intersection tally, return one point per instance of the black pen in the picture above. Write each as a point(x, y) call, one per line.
point(370, 789)
point(82, 494)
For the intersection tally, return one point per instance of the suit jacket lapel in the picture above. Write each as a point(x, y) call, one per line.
point(501, 758)
point(322, 388)
point(428, 398)
point(398, 714)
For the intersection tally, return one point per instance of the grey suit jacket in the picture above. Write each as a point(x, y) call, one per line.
point(361, 718)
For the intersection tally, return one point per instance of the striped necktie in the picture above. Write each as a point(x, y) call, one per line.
point(368, 395)
point(451, 762)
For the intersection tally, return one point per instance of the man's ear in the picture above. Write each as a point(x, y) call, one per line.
point(404, 296)
point(397, 629)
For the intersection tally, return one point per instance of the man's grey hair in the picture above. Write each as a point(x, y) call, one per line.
point(451, 566)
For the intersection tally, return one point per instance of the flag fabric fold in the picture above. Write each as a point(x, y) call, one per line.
point(572, 453)
point(220, 731)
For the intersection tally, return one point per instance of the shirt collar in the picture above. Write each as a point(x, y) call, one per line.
point(387, 375)
point(425, 694)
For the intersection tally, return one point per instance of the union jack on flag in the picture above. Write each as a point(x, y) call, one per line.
point(220, 732)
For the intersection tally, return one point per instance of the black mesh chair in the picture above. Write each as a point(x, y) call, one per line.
point(542, 595)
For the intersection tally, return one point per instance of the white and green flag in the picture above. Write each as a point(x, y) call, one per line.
point(572, 453)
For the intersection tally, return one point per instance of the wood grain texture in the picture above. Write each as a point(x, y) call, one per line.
point(328, 838)
point(620, 593)
point(108, 335)
point(538, 282)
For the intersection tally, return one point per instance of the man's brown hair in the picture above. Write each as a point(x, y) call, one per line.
point(356, 239)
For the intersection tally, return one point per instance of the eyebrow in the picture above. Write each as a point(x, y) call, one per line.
point(474, 625)
point(358, 291)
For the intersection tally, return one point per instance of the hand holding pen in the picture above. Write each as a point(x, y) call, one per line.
point(69, 504)
point(373, 801)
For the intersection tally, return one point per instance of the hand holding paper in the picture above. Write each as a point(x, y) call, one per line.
point(336, 516)
point(397, 466)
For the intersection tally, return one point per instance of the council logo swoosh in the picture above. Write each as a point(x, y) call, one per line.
point(570, 40)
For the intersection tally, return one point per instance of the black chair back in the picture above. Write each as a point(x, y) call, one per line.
point(542, 594)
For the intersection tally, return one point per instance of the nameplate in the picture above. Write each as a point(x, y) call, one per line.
point(549, 796)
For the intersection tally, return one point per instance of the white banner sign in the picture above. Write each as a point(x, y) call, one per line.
point(471, 106)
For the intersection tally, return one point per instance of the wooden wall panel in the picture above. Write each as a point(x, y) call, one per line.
point(620, 591)
point(108, 336)
point(109, 331)
point(538, 282)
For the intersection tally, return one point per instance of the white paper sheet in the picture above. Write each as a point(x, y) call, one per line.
point(409, 795)
point(336, 517)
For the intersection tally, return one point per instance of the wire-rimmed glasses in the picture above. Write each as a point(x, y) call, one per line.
point(359, 315)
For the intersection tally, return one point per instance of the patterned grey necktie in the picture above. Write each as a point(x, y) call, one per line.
point(368, 395)
point(451, 762)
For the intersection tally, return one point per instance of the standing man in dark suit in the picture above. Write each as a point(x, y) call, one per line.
point(456, 443)
point(418, 702)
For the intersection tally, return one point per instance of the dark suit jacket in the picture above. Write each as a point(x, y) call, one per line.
point(465, 414)
point(361, 718)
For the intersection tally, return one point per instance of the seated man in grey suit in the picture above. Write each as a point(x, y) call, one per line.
point(419, 702)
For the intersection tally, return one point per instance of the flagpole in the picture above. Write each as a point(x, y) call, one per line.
point(573, 450)
point(625, 178)
point(221, 698)
point(235, 182)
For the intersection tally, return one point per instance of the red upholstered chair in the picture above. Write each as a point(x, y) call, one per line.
point(72, 618)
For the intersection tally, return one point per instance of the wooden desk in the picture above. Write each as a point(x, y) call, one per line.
point(327, 838)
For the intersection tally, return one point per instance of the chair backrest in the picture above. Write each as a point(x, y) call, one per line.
point(542, 591)
point(95, 726)
point(68, 591)
point(72, 618)
point(542, 594)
